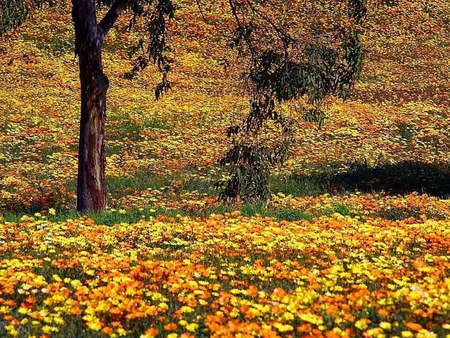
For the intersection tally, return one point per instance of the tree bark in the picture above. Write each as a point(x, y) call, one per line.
point(91, 189)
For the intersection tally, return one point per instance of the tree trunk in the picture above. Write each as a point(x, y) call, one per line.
point(91, 190)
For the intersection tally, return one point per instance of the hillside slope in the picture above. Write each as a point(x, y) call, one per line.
point(399, 110)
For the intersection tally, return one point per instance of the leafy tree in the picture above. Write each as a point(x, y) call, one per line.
point(90, 31)
point(296, 51)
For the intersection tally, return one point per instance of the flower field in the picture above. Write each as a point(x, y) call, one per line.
point(398, 112)
point(226, 276)
point(355, 241)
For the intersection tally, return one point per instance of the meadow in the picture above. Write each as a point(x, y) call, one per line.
point(354, 242)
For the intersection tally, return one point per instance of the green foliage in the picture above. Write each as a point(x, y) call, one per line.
point(323, 73)
point(14, 12)
point(152, 43)
point(249, 165)
point(406, 132)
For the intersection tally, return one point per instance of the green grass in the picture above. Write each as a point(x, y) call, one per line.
point(198, 182)
point(122, 125)
point(57, 44)
point(298, 185)
point(116, 215)
point(121, 186)
point(406, 132)
point(48, 151)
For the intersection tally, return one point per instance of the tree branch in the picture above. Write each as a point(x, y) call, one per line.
point(111, 17)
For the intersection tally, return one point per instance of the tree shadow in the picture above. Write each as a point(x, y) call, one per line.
point(402, 178)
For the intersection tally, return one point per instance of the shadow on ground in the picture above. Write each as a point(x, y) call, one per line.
point(401, 178)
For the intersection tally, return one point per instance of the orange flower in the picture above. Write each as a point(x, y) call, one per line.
point(75, 310)
point(383, 313)
point(107, 330)
point(414, 326)
point(252, 291)
point(151, 332)
point(186, 335)
point(331, 334)
point(304, 328)
point(317, 333)
point(117, 324)
point(9, 302)
point(331, 309)
point(171, 327)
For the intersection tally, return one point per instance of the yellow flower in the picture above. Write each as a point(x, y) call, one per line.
point(23, 310)
point(43, 313)
point(283, 327)
point(121, 332)
point(192, 327)
point(11, 330)
point(426, 334)
point(94, 325)
point(375, 332)
point(386, 326)
point(362, 324)
point(163, 306)
point(52, 211)
point(407, 334)
point(186, 309)
point(76, 283)
point(311, 318)
point(58, 320)
point(49, 329)
point(288, 316)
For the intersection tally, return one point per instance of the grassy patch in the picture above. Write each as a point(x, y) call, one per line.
point(121, 186)
point(298, 185)
point(127, 126)
point(48, 151)
point(116, 216)
point(406, 132)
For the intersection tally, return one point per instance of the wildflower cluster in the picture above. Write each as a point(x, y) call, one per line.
point(225, 276)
